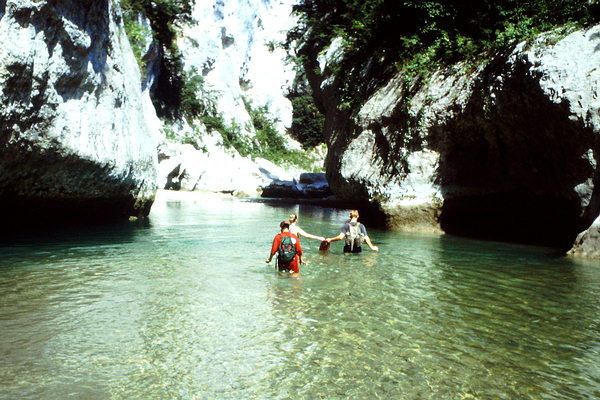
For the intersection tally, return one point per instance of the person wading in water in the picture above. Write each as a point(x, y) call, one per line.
point(288, 249)
point(296, 230)
point(354, 233)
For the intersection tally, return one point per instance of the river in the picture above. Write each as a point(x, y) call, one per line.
point(183, 306)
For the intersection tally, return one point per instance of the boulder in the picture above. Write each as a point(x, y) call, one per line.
point(74, 140)
point(285, 189)
point(587, 243)
point(308, 178)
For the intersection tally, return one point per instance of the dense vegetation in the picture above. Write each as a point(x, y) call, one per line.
point(383, 36)
point(307, 119)
point(268, 143)
point(166, 17)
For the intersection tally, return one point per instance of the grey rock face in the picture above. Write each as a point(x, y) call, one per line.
point(587, 243)
point(232, 43)
point(73, 138)
point(504, 151)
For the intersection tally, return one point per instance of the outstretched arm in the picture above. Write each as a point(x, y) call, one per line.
point(338, 237)
point(374, 248)
point(308, 235)
point(274, 248)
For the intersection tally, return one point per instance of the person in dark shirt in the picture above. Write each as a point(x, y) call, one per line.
point(284, 266)
point(354, 233)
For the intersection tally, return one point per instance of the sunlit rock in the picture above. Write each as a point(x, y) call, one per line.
point(209, 166)
point(75, 142)
point(505, 150)
point(587, 243)
point(235, 46)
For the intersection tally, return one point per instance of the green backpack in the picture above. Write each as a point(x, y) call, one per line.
point(287, 250)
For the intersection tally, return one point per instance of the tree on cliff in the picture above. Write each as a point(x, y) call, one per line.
point(382, 36)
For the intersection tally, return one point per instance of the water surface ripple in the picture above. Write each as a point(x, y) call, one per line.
point(184, 307)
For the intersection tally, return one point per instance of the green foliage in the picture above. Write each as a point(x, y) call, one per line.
point(233, 137)
point(197, 100)
point(166, 17)
point(268, 143)
point(307, 120)
point(383, 36)
point(137, 34)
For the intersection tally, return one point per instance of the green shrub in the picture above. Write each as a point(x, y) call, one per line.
point(137, 34)
point(384, 36)
point(269, 143)
point(307, 121)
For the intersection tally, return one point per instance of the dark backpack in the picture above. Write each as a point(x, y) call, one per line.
point(354, 236)
point(287, 250)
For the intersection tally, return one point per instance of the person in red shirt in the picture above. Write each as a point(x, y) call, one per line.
point(292, 265)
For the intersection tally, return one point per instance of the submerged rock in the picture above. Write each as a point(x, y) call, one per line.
point(504, 151)
point(74, 142)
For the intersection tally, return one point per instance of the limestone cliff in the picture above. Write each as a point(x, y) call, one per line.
point(233, 45)
point(74, 142)
point(505, 150)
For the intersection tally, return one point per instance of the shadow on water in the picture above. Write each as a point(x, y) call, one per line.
point(512, 309)
point(38, 239)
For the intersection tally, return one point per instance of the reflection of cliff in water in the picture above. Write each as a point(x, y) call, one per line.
point(59, 238)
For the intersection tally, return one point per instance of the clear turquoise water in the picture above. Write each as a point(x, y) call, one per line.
point(184, 307)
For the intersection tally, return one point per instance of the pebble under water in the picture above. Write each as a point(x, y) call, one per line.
point(183, 306)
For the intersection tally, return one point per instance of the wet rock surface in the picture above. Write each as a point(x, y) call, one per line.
point(587, 243)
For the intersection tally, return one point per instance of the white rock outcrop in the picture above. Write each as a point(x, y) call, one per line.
point(74, 136)
point(234, 45)
point(207, 166)
point(587, 243)
point(507, 150)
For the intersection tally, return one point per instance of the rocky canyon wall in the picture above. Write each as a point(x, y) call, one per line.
point(503, 150)
point(235, 47)
point(74, 141)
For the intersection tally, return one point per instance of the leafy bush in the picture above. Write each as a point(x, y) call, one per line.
point(137, 34)
point(383, 36)
point(269, 143)
point(198, 100)
point(307, 119)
